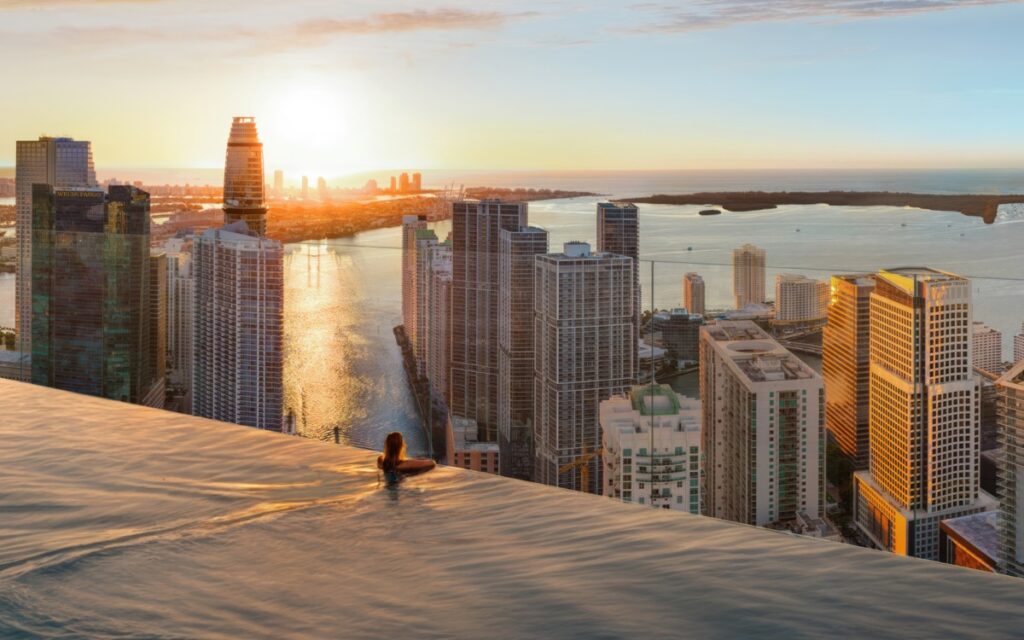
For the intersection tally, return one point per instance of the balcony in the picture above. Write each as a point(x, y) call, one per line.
point(118, 520)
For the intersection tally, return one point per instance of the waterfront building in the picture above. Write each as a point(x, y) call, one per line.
point(800, 299)
point(680, 333)
point(157, 358)
point(411, 225)
point(90, 291)
point(618, 232)
point(585, 353)
point(845, 364)
point(987, 347)
point(748, 275)
point(465, 451)
point(693, 293)
point(1018, 345)
point(651, 448)
point(278, 183)
point(393, 185)
point(305, 188)
point(180, 303)
point(417, 182)
point(516, 272)
point(1010, 525)
point(243, 176)
point(473, 378)
point(924, 437)
point(425, 242)
point(322, 192)
point(439, 304)
point(62, 163)
point(762, 427)
point(403, 183)
point(239, 317)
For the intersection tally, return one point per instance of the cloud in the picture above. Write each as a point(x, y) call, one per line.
point(719, 14)
point(44, 4)
point(420, 20)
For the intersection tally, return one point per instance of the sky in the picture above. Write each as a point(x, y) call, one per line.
point(345, 87)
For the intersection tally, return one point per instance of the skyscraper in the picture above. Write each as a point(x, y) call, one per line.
point(800, 299)
point(651, 448)
point(748, 275)
point(987, 348)
point(845, 364)
point(90, 291)
point(238, 342)
point(518, 250)
point(924, 437)
point(693, 293)
point(417, 182)
point(243, 176)
point(278, 183)
point(474, 355)
point(157, 358)
point(426, 240)
point(585, 353)
point(439, 304)
point(763, 428)
point(411, 224)
point(305, 188)
point(618, 232)
point(62, 163)
point(403, 182)
point(180, 303)
point(1018, 345)
point(322, 192)
point(1010, 525)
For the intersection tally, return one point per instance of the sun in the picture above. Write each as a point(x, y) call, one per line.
point(306, 130)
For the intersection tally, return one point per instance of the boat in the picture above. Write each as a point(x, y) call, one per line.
point(710, 212)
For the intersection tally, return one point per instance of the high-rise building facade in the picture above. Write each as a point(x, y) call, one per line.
point(473, 377)
point(680, 333)
point(987, 348)
point(518, 252)
point(1018, 345)
point(157, 358)
point(243, 176)
point(180, 302)
point(618, 232)
point(403, 182)
point(411, 225)
point(800, 299)
point(924, 407)
point(763, 428)
point(585, 353)
point(62, 163)
point(423, 249)
point(651, 448)
point(90, 291)
point(693, 293)
point(304, 191)
point(845, 364)
point(417, 182)
point(322, 192)
point(439, 304)
point(239, 317)
point(748, 275)
point(278, 183)
point(1010, 525)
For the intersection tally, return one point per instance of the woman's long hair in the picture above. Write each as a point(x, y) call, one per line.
point(394, 451)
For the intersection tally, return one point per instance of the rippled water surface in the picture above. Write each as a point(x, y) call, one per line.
point(120, 521)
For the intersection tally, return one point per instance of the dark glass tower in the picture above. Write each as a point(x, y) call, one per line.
point(90, 291)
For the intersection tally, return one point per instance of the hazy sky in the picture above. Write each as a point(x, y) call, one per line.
point(340, 87)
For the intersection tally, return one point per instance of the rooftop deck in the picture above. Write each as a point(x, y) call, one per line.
point(118, 520)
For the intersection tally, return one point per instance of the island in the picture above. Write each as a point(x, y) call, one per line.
point(979, 205)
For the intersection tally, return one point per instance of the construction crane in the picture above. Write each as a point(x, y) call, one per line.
point(583, 464)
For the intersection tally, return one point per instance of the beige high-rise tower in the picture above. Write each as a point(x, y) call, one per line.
point(693, 293)
point(243, 177)
point(924, 437)
point(748, 275)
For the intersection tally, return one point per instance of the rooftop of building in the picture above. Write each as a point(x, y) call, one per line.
point(906, 276)
point(977, 530)
point(124, 521)
point(1014, 378)
point(464, 433)
point(755, 354)
point(656, 400)
point(859, 279)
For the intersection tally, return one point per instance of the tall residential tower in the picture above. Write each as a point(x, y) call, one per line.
point(748, 275)
point(243, 176)
point(693, 293)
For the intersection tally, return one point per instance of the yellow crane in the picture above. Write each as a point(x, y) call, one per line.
point(583, 464)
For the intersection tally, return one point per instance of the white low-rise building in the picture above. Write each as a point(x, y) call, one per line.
point(651, 448)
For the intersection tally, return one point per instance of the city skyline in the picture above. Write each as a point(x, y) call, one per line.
point(828, 85)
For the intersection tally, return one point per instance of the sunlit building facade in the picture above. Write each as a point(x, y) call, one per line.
point(762, 427)
point(411, 224)
point(987, 348)
point(91, 291)
point(244, 197)
point(585, 353)
point(476, 225)
point(1018, 345)
point(423, 249)
point(180, 303)
point(748, 275)
point(693, 293)
point(239, 318)
point(439, 304)
point(518, 252)
point(1010, 524)
point(651, 448)
point(845, 364)
point(924, 437)
point(800, 299)
point(59, 162)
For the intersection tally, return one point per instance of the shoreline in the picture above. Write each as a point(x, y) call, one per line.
point(975, 205)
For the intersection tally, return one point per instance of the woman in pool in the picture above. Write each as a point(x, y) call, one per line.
point(393, 462)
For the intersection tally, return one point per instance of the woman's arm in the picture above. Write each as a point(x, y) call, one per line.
point(416, 465)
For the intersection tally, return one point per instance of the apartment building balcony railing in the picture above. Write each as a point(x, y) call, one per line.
point(119, 520)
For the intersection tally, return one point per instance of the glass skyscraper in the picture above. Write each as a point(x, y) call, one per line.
point(243, 176)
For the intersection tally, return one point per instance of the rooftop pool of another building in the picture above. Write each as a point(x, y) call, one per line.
point(122, 521)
